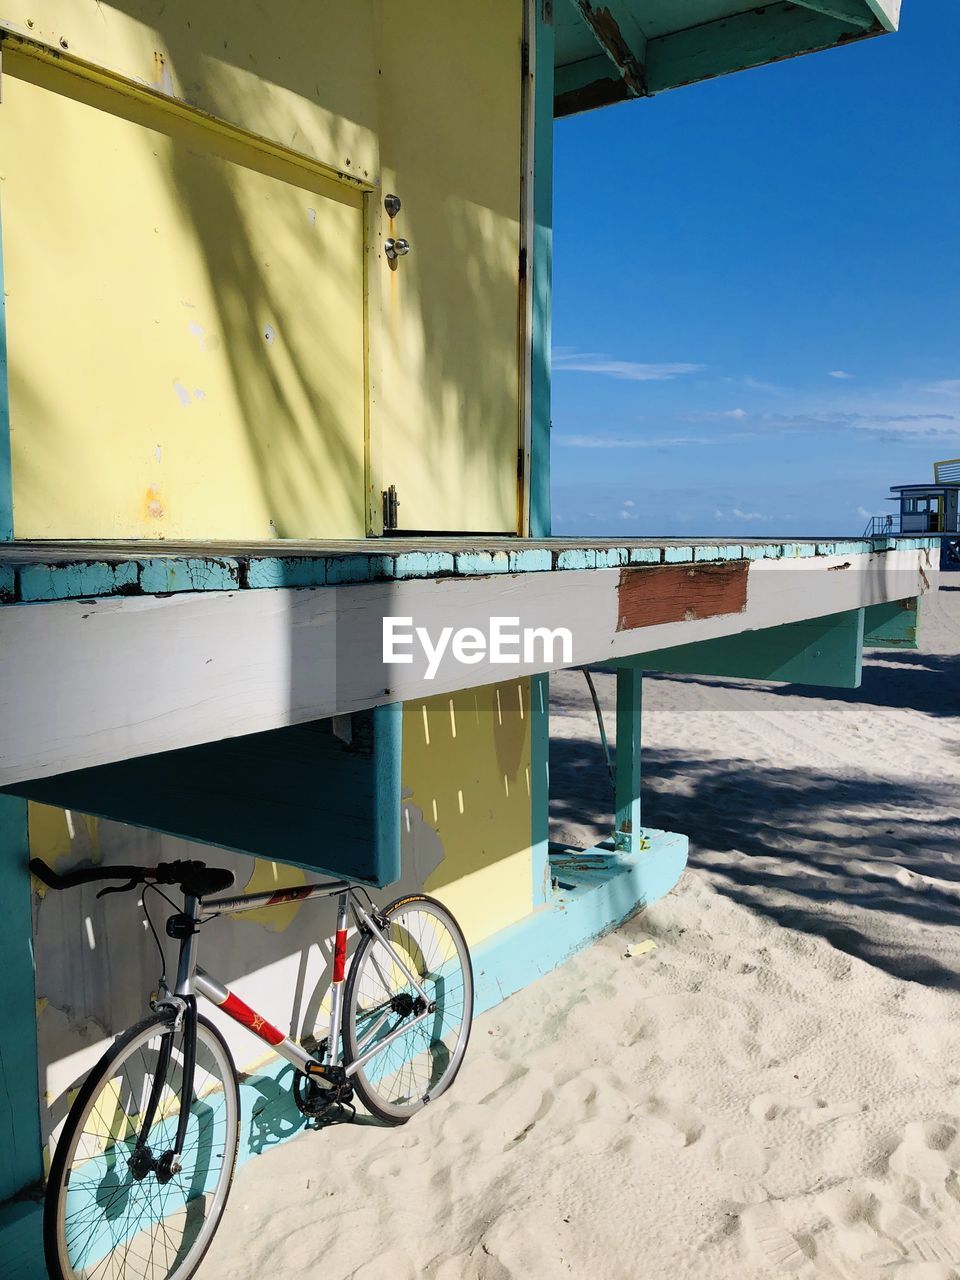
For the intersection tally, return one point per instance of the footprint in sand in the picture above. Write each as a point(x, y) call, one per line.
point(683, 1122)
point(809, 1110)
point(920, 1239)
point(928, 1153)
point(768, 1237)
point(740, 1155)
point(850, 1210)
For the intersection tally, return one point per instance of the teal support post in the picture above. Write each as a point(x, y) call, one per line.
point(629, 699)
point(20, 1146)
point(540, 787)
point(541, 268)
point(895, 625)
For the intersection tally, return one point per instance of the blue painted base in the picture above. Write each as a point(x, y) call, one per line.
point(21, 1241)
point(593, 891)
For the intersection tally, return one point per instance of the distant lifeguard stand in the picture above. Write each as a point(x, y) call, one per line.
point(930, 509)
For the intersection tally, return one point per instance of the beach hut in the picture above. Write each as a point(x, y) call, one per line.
point(275, 346)
point(932, 509)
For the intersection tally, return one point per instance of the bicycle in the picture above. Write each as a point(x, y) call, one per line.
point(139, 1181)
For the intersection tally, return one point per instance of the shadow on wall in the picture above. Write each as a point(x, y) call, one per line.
point(465, 834)
point(274, 275)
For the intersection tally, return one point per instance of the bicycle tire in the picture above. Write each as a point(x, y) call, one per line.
point(56, 1250)
point(396, 1111)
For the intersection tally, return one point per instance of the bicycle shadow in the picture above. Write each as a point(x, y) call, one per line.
point(275, 1116)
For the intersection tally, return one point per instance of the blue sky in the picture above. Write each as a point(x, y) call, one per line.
point(757, 293)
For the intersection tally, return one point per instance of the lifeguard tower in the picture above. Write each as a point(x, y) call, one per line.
point(928, 509)
point(274, 370)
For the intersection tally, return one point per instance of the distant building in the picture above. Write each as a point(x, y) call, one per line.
point(928, 509)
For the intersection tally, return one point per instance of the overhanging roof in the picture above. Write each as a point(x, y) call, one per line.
point(623, 49)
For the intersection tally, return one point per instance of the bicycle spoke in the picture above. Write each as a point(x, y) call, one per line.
point(113, 1225)
point(414, 1064)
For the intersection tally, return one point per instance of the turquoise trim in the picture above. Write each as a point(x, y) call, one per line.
point(824, 651)
point(24, 578)
point(6, 465)
point(541, 270)
point(21, 1240)
point(540, 787)
point(20, 1147)
point(895, 625)
point(590, 901)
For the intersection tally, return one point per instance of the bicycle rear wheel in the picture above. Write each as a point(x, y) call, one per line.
point(108, 1213)
point(408, 1059)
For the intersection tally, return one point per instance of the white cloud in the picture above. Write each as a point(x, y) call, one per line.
point(840, 374)
point(735, 415)
point(629, 502)
point(567, 361)
point(633, 442)
point(756, 385)
point(863, 513)
point(736, 514)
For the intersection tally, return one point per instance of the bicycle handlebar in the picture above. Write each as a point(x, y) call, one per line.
point(70, 879)
point(193, 877)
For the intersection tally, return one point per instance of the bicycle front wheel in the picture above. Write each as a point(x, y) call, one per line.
point(113, 1211)
point(408, 1049)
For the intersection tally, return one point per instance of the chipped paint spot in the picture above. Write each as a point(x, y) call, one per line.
point(312, 217)
point(680, 592)
point(158, 453)
point(152, 503)
point(162, 79)
point(183, 395)
point(269, 333)
point(199, 394)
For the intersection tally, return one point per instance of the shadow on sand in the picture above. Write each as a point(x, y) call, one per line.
point(866, 861)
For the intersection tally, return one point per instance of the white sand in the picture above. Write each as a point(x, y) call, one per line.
point(773, 1091)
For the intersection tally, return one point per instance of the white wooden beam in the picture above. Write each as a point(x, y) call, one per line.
point(854, 11)
point(888, 11)
point(88, 682)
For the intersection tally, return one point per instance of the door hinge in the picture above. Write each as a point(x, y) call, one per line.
point(390, 504)
point(523, 264)
point(520, 464)
point(525, 58)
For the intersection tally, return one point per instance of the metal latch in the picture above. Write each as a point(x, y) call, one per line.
point(390, 505)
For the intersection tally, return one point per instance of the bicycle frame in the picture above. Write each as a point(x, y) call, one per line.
point(193, 980)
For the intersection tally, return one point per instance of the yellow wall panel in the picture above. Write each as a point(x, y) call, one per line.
point(117, 210)
point(450, 149)
point(185, 325)
point(295, 71)
point(466, 777)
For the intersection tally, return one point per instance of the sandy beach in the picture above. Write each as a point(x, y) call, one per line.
point(772, 1090)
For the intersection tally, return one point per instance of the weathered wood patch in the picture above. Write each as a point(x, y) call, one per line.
point(680, 593)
